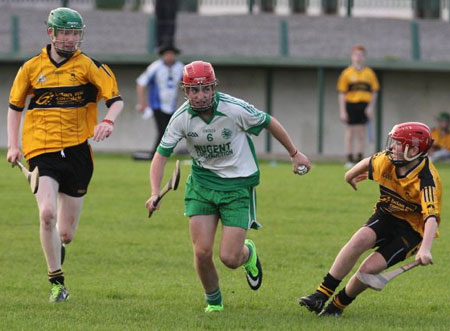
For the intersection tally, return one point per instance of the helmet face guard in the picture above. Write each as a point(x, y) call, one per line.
point(199, 85)
point(399, 158)
point(67, 41)
point(405, 136)
point(200, 96)
point(67, 30)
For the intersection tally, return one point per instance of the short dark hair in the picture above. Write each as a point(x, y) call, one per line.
point(165, 48)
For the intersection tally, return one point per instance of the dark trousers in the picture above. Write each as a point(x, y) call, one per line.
point(162, 119)
point(166, 12)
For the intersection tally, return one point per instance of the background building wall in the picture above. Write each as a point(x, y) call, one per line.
point(407, 96)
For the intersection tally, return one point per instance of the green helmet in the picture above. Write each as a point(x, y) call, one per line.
point(444, 117)
point(63, 19)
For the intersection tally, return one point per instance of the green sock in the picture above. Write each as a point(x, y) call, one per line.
point(214, 298)
point(250, 253)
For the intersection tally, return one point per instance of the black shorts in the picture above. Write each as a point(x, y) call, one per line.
point(72, 168)
point(356, 113)
point(396, 239)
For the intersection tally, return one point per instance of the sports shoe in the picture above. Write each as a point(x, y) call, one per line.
point(253, 267)
point(213, 308)
point(331, 310)
point(63, 253)
point(58, 293)
point(314, 302)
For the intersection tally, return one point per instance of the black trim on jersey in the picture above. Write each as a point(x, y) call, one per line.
point(98, 64)
point(13, 107)
point(387, 192)
point(64, 97)
point(425, 176)
point(107, 72)
point(410, 170)
point(426, 219)
point(428, 194)
point(112, 100)
point(56, 64)
point(359, 86)
point(370, 169)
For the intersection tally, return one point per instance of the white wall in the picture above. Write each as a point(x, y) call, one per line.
point(407, 96)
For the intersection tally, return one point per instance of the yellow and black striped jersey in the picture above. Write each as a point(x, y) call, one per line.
point(358, 85)
point(62, 109)
point(413, 197)
point(439, 139)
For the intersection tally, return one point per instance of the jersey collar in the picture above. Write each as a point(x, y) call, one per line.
point(46, 50)
point(414, 170)
point(358, 70)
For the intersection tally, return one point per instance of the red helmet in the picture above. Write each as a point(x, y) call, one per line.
point(199, 75)
point(198, 72)
point(410, 134)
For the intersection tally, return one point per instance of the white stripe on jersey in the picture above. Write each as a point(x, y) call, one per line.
point(222, 146)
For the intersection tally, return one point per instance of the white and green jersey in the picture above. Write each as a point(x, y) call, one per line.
point(221, 149)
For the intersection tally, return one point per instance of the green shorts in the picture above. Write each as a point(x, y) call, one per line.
point(235, 208)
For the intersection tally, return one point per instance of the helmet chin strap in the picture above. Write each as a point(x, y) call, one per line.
point(406, 160)
point(409, 159)
point(204, 108)
point(64, 53)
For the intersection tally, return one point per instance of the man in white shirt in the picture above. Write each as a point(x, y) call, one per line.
point(157, 92)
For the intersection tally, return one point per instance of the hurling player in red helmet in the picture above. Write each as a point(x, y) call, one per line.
point(405, 220)
point(217, 129)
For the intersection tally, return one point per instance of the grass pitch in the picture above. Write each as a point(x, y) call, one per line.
point(125, 271)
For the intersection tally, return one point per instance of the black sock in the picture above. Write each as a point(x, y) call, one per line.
point(55, 277)
point(360, 157)
point(350, 158)
point(342, 300)
point(328, 285)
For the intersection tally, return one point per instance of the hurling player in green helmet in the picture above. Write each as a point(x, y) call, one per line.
point(65, 28)
point(58, 90)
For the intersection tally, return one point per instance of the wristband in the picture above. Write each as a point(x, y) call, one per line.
point(295, 153)
point(108, 121)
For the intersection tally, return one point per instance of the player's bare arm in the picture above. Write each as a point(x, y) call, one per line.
point(342, 112)
point(14, 118)
point(371, 106)
point(142, 98)
point(280, 133)
point(357, 173)
point(424, 253)
point(156, 175)
point(105, 128)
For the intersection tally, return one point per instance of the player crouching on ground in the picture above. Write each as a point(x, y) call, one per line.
point(405, 220)
point(225, 170)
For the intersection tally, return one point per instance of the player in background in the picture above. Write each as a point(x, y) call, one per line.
point(217, 129)
point(157, 92)
point(440, 150)
point(405, 220)
point(64, 86)
point(358, 90)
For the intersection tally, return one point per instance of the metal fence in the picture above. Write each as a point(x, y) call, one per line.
point(360, 8)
